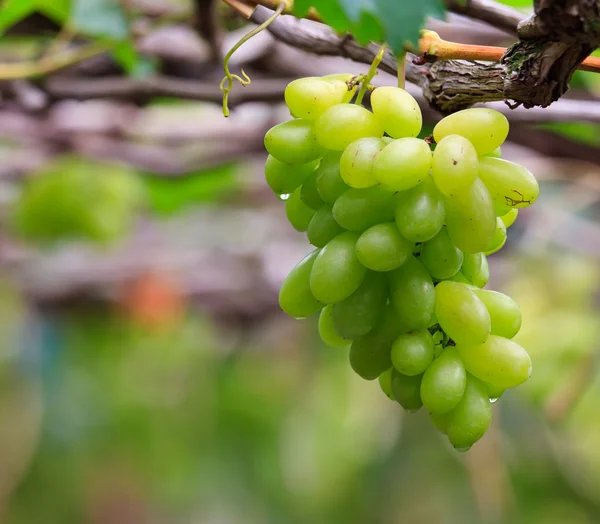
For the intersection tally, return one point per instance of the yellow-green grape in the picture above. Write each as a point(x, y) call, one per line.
point(443, 383)
point(309, 193)
point(461, 314)
point(440, 421)
point(440, 256)
point(402, 164)
point(329, 181)
point(471, 418)
point(385, 383)
point(398, 111)
point(470, 218)
point(420, 212)
point(510, 217)
point(412, 294)
point(383, 248)
point(297, 212)
point(485, 128)
point(309, 97)
point(504, 312)
point(336, 272)
point(327, 330)
point(499, 238)
point(413, 352)
point(357, 161)
point(460, 277)
point(499, 361)
point(293, 142)
point(471, 265)
point(342, 124)
point(359, 209)
point(455, 164)
point(295, 296)
point(284, 178)
point(494, 392)
point(322, 227)
point(496, 153)
point(407, 390)
point(482, 278)
point(340, 80)
point(509, 184)
point(356, 315)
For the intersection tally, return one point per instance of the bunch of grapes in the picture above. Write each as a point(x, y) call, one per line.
point(402, 227)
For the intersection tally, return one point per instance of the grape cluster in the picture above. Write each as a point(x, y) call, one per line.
point(402, 227)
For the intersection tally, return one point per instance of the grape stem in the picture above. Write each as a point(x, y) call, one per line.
point(372, 72)
point(402, 69)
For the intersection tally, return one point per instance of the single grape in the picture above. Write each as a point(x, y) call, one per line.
point(504, 312)
point(509, 184)
point(471, 265)
point(412, 294)
point(493, 392)
point(499, 361)
point(482, 278)
point(407, 390)
point(398, 111)
point(471, 418)
point(499, 238)
point(385, 383)
point(485, 128)
point(510, 217)
point(329, 181)
point(440, 422)
point(461, 314)
point(470, 218)
point(403, 164)
point(440, 256)
point(455, 164)
point(322, 227)
point(309, 97)
point(336, 272)
point(383, 248)
point(444, 382)
point(284, 178)
point(359, 209)
point(420, 212)
point(357, 161)
point(297, 212)
point(413, 352)
point(356, 315)
point(342, 124)
point(293, 142)
point(309, 193)
point(496, 153)
point(295, 297)
point(327, 330)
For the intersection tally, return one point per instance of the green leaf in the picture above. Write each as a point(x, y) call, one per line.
point(57, 10)
point(134, 64)
point(13, 11)
point(396, 22)
point(102, 18)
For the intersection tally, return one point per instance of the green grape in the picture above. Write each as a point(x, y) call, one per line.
point(510, 217)
point(295, 296)
point(440, 257)
point(340, 80)
point(398, 111)
point(385, 383)
point(460, 277)
point(309, 193)
point(412, 294)
point(293, 142)
point(461, 314)
point(329, 181)
point(420, 212)
point(455, 164)
point(413, 352)
point(407, 390)
point(471, 418)
point(482, 278)
point(327, 330)
point(440, 421)
point(500, 209)
point(297, 212)
point(496, 153)
point(402, 164)
point(357, 161)
point(359, 209)
point(370, 354)
point(504, 312)
point(342, 124)
point(322, 227)
point(310, 97)
point(499, 361)
point(443, 383)
point(337, 273)
point(356, 315)
point(284, 178)
point(486, 129)
point(470, 218)
point(471, 265)
point(509, 184)
point(499, 238)
point(494, 392)
point(383, 248)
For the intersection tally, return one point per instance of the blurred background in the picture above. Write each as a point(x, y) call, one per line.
point(147, 374)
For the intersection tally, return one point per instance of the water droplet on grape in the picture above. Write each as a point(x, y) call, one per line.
point(493, 400)
point(464, 449)
point(285, 197)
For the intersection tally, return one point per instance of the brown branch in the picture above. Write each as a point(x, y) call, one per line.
point(497, 15)
point(207, 24)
